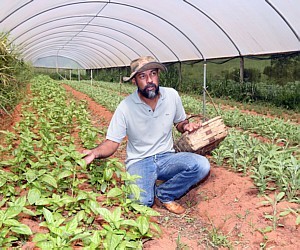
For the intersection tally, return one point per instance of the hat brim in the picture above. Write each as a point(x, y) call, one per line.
point(147, 66)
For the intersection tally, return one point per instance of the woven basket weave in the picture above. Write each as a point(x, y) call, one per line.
point(203, 140)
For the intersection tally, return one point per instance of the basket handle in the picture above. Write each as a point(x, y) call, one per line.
point(211, 100)
point(202, 116)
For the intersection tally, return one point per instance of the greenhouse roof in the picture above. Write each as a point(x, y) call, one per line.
point(104, 34)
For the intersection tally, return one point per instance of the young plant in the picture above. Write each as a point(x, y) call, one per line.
point(10, 228)
point(61, 232)
point(274, 216)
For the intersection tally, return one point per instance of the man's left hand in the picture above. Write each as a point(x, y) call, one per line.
point(190, 127)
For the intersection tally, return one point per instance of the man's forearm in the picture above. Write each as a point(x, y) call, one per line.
point(105, 149)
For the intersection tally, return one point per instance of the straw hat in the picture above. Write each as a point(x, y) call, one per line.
point(142, 64)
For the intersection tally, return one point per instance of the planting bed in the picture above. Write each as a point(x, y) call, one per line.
point(225, 211)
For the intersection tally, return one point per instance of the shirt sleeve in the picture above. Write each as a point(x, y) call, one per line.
point(117, 128)
point(180, 112)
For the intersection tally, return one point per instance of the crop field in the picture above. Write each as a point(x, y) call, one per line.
point(50, 199)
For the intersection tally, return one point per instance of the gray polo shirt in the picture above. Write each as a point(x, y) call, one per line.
point(148, 132)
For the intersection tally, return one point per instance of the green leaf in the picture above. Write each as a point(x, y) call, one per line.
point(298, 220)
point(116, 214)
point(105, 213)
point(28, 211)
point(21, 201)
point(12, 212)
point(2, 181)
point(280, 196)
point(40, 237)
point(135, 190)
point(45, 245)
point(11, 222)
point(268, 216)
point(31, 176)
point(10, 239)
point(81, 163)
point(267, 229)
point(112, 241)
point(22, 229)
point(96, 238)
point(57, 230)
point(71, 226)
point(107, 174)
point(33, 195)
point(133, 245)
point(6, 163)
point(42, 202)
point(80, 216)
point(3, 201)
point(95, 207)
point(68, 164)
point(80, 236)
point(143, 224)
point(64, 174)
point(144, 210)
point(115, 192)
point(81, 196)
point(129, 223)
point(48, 216)
point(103, 187)
point(284, 213)
point(50, 180)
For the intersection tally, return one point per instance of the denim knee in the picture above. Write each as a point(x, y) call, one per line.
point(202, 168)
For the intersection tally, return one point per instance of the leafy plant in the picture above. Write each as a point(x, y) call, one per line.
point(10, 228)
point(274, 216)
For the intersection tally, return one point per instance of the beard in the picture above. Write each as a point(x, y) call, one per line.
point(150, 94)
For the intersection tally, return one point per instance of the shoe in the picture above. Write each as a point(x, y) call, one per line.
point(157, 202)
point(174, 207)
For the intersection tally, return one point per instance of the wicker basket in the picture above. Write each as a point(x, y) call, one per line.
point(203, 140)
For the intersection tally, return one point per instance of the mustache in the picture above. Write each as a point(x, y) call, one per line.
point(149, 85)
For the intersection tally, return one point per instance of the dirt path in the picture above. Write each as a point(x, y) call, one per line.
point(225, 209)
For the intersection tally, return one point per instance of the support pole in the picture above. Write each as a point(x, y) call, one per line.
point(242, 67)
point(91, 77)
point(204, 89)
point(180, 76)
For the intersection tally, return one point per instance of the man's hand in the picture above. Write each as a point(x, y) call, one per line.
point(89, 156)
point(190, 127)
point(104, 150)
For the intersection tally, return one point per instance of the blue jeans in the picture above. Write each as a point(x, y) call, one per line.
point(179, 171)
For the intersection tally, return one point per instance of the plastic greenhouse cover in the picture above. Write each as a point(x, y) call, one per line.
point(101, 34)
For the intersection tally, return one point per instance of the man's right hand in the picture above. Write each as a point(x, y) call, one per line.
point(104, 150)
point(89, 156)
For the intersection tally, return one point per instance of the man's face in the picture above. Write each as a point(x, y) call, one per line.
point(147, 83)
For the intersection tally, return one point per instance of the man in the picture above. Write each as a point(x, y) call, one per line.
point(146, 117)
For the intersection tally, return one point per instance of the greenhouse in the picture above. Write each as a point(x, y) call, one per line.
point(103, 34)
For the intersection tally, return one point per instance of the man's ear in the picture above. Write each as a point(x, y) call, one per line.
point(133, 81)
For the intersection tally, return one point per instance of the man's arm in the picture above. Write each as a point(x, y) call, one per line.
point(104, 150)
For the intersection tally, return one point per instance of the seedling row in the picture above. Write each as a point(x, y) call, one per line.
point(44, 178)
